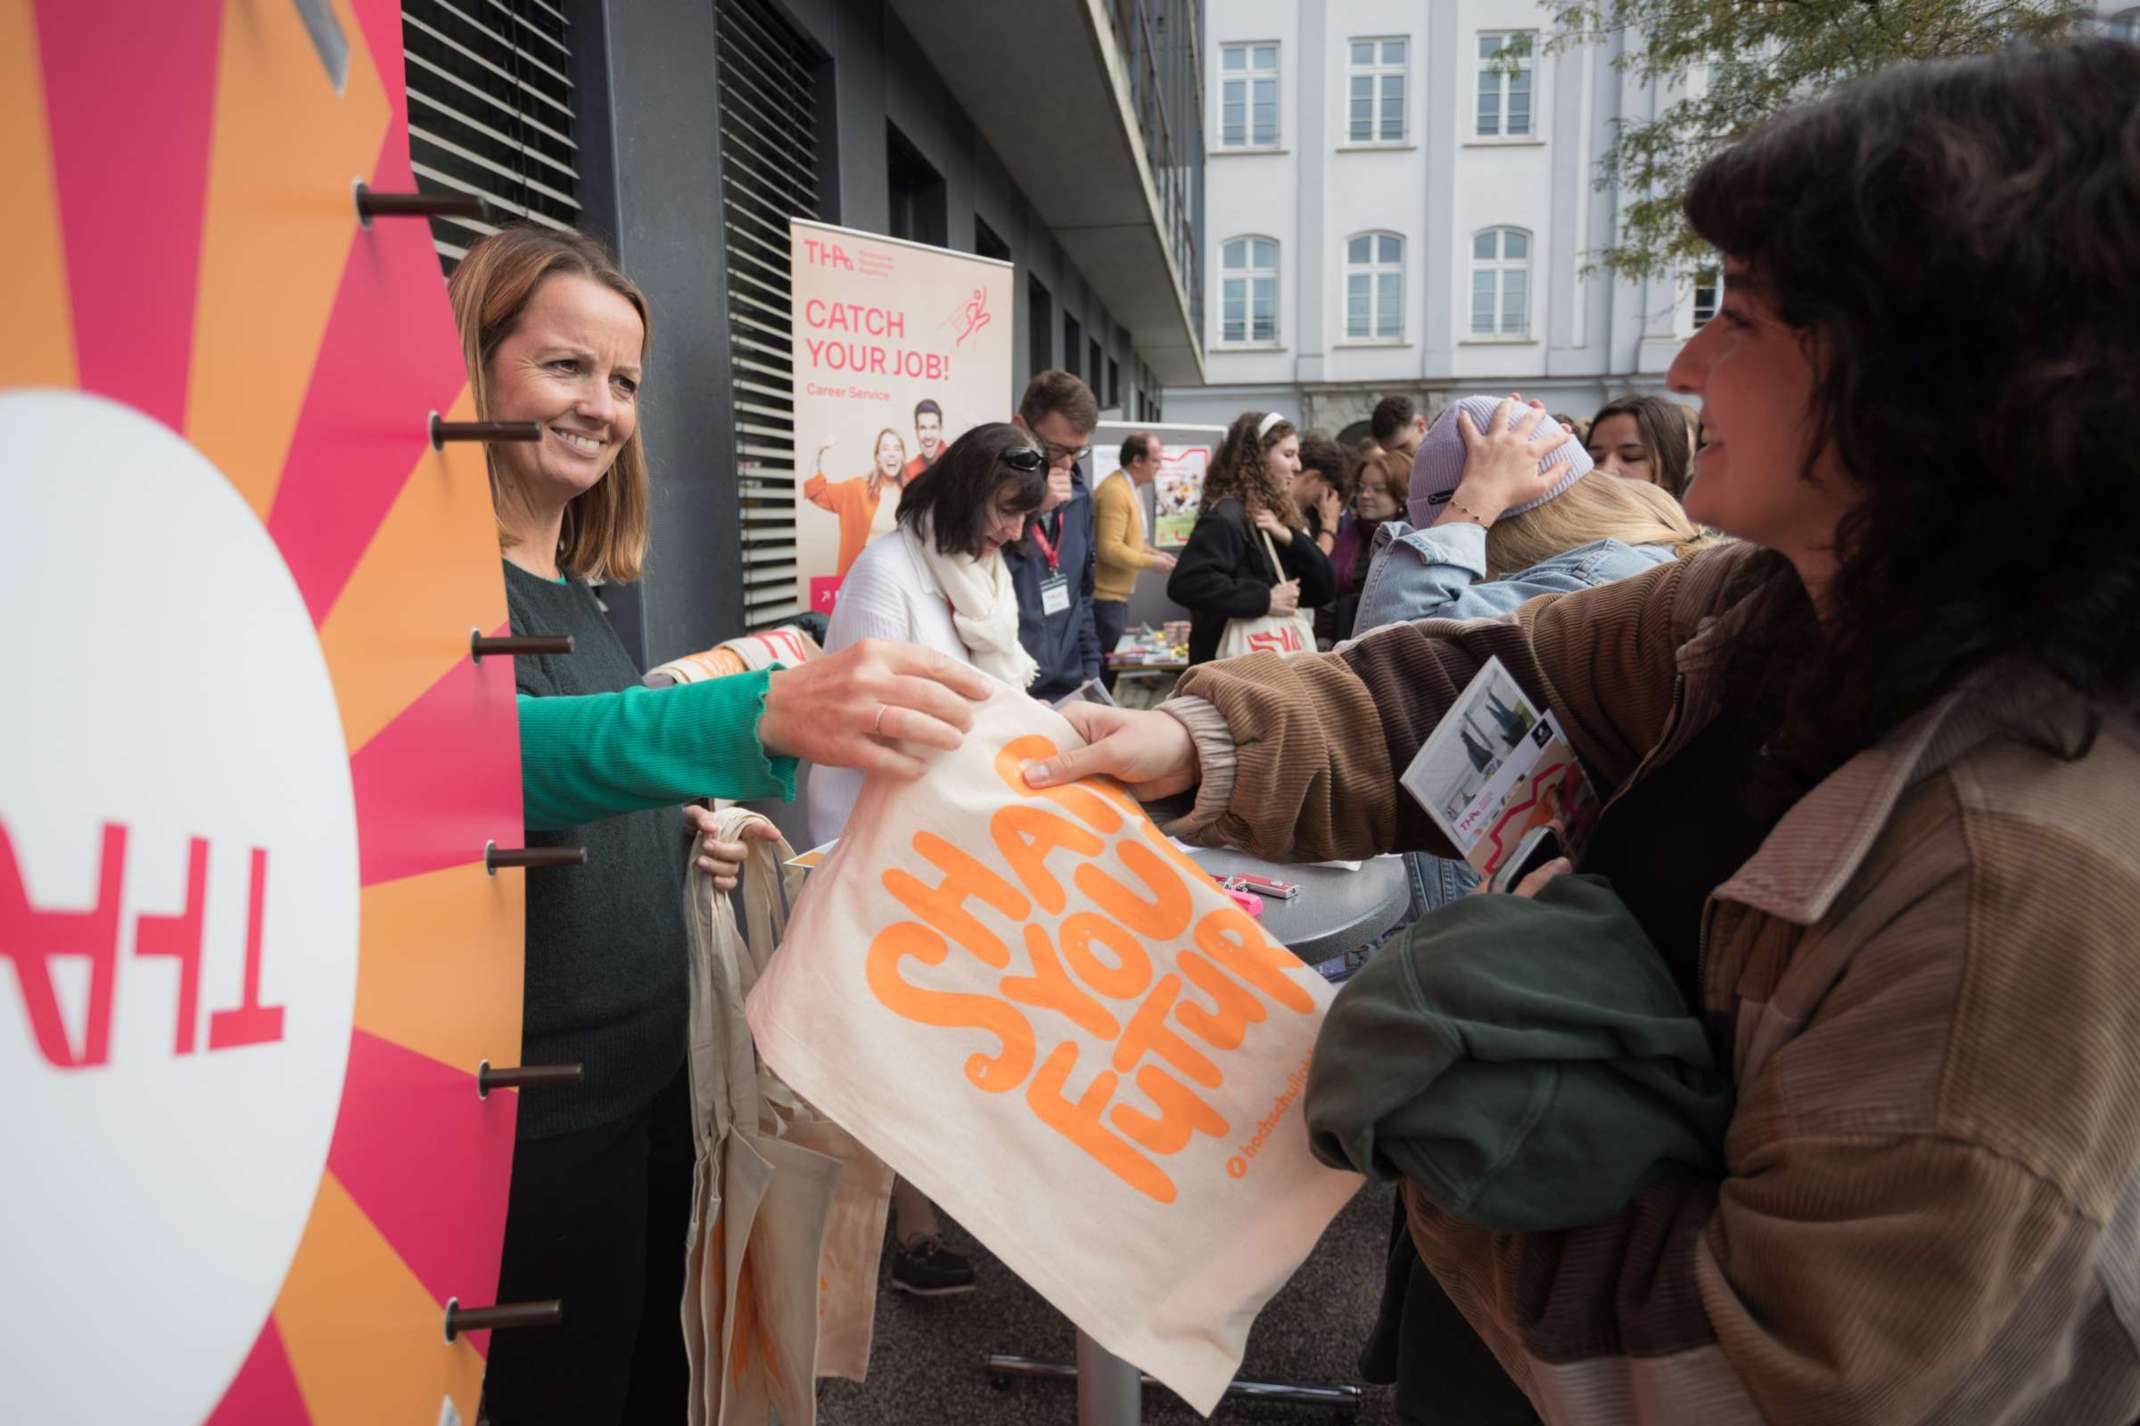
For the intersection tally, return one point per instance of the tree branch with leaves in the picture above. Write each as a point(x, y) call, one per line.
point(1725, 66)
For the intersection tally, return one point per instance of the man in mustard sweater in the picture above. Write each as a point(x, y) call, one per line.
point(1120, 551)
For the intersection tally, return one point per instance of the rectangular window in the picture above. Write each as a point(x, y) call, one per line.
point(1505, 108)
point(916, 192)
point(1040, 328)
point(1248, 96)
point(1376, 72)
point(1708, 291)
point(1501, 283)
point(1374, 287)
point(1073, 343)
point(1248, 290)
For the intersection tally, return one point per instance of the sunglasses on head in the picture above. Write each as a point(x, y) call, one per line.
point(1024, 458)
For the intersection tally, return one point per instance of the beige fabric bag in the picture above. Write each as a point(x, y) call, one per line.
point(1043, 1015)
point(746, 653)
point(1269, 633)
point(788, 1210)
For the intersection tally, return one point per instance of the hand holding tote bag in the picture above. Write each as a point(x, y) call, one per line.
point(1292, 633)
point(1040, 1011)
point(787, 1209)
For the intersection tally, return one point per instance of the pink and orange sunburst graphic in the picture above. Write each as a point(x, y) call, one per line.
point(249, 767)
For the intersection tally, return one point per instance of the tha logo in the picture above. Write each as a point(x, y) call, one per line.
point(33, 937)
point(1284, 639)
point(821, 254)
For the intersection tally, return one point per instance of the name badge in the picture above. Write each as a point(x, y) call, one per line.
point(1054, 594)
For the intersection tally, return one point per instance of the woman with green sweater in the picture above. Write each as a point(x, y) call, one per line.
point(554, 333)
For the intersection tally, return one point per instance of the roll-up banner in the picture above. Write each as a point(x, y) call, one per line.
point(898, 349)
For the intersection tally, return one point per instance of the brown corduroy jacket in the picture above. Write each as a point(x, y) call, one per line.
point(1928, 980)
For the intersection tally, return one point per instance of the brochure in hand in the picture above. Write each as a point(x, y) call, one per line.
point(1496, 766)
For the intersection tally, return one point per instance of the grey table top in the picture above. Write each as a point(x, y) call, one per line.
point(1337, 910)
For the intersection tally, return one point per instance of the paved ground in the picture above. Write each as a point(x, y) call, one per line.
point(927, 1366)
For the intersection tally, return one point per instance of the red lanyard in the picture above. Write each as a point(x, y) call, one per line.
point(1047, 546)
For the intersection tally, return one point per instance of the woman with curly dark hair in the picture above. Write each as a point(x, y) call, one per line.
point(1869, 778)
point(1225, 572)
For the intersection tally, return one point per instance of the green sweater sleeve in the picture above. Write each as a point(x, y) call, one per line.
point(598, 755)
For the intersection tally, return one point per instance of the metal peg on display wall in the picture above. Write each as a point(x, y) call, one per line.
point(235, 904)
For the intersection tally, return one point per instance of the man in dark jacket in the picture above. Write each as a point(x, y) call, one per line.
point(1051, 568)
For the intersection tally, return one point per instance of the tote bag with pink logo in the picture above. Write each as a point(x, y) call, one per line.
point(1040, 1012)
point(1269, 633)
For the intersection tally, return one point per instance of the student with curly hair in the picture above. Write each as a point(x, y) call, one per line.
point(1869, 776)
point(1224, 571)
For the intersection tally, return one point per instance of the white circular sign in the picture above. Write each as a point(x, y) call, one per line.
point(175, 794)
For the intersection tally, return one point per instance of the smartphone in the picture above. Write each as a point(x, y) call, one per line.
point(1539, 846)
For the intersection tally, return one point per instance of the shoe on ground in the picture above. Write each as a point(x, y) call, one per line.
point(926, 1268)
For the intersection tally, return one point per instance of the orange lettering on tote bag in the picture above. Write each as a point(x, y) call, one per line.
point(1079, 1122)
point(1025, 835)
point(944, 905)
point(1150, 1176)
point(1004, 1071)
point(1049, 987)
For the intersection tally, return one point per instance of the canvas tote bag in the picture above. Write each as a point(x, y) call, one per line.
point(746, 653)
point(1040, 1012)
point(1292, 633)
point(788, 1209)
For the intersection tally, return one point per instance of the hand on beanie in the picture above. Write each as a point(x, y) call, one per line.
point(850, 708)
point(1501, 462)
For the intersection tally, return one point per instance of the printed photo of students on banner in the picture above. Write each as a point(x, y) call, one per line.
point(898, 348)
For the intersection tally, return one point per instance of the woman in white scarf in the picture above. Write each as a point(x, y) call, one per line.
point(938, 580)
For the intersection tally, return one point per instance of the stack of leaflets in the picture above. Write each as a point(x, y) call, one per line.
point(1496, 767)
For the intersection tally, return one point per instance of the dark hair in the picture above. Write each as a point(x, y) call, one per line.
point(1957, 244)
point(1058, 391)
point(1237, 470)
point(928, 407)
point(1339, 467)
point(1391, 415)
point(955, 494)
point(1136, 446)
point(1567, 418)
point(1665, 432)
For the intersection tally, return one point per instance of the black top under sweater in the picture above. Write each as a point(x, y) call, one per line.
point(1681, 832)
point(607, 952)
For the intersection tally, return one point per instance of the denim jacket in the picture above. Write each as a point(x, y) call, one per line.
point(1439, 572)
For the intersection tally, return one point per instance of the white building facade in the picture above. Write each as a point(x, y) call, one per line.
point(1387, 213)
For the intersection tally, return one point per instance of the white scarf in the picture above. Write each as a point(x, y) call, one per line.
point(984, 606)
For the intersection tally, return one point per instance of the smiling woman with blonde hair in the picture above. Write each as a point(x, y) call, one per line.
point(556, 335)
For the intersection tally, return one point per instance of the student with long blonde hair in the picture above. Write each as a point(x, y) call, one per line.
point(1479, 546)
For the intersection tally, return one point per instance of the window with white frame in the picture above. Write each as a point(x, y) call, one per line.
point(1376, 74)
point(1248, 290)
point(1374, 287)
point(2125, 25)
point(1248, 96)
point(1501, 283)
point(1506, 59)
point(1708, 290)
